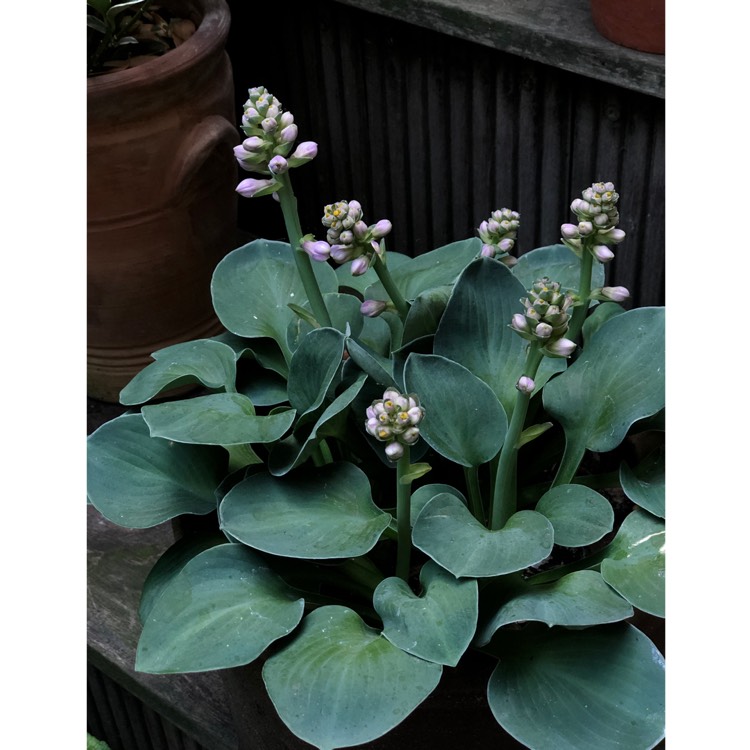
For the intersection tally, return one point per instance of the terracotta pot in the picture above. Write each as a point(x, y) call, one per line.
point(161, 203)
point(638, 24)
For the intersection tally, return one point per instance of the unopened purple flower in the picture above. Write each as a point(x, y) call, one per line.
point(371, 308)
point(341, 253)
point(289, 134)
point(519, 322)
point(318, 250)
point(360, 265)
point(381, 229)
point(525, 385)
point(488, 251)
point(506, 244)
point(543, 330)
point(269, 124)
point(602, 253)
point(254, 143)
point(278, 165)
point(394, 450)
point(306, 151)
point(287, 118)
point(250, 187)
point(561, 348)
point(615, 293)
point(615, 236)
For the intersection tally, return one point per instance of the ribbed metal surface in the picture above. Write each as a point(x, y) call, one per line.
point(125, 723)
point(434, 133)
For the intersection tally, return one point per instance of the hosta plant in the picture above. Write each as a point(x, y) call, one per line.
point(399, 459)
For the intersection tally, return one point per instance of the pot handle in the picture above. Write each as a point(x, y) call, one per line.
point(206, 135)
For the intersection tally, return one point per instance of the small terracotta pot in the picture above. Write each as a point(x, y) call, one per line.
point(637, 24)
point(162, 210)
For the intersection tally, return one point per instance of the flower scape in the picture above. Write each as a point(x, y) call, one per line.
point(396, 460)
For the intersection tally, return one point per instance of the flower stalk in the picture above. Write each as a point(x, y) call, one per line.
point(403, 515)
point(390, 287)
point(288, 204)
point(504, 494)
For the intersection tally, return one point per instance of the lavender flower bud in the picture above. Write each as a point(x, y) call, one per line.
point(254, 143)
point(410, 435)
point(360, 229)
point(250, 188)
point(585, 228)
point(306, 151)
point(488, 251)
point(525, 385)
point(371, 308)
point(543, 330)
point(569, 231)
point(342, 253)
point(269, 124)
point(519, 322)
point(318, 250)
point(360, 265)
point(561, 348)
point(381, 229)
point(278, 165)
point(287, 118)
point(289, 134)
point(394, 451)
point(602, 253)
point(615, 236)
point(615, 293)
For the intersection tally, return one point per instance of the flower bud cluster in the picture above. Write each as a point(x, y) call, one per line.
point(597, 222)
point(266, 150)
point(394, 419)
point(545, 320)
point(348, 238)
point(498, 235)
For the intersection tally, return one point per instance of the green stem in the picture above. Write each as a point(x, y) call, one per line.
point(390, 287)
point(471, 474)
point(504, 496)
point(403, 512)
point(301, 258)
point(584, 290)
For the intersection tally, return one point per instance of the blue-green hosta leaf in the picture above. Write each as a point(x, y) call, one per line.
point(645, 485)
point(322, 513)
point(463, 419)
point(439, 624)
point(223, 609)
point(600, 688)
point(253, 285)
point(437, 268)
point(377, 367)
point(217, 419)
point(289, 453)
point(617, 379)
point(313, 367)
point(171, 563)
point(425, 313)
point(579, 515)
point(265, 351)
point(263, 387)
point(635, 562)
point(474, 330)
point(340, 683)
point(600, 315)
point(422, 495)
point(447, 532)
point(344, 312)
point(578, 599)
point(376, 334)
point(138, 481)
point(558, 264)
point(204, 361)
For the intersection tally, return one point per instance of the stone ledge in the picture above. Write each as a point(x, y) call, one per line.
point(559, 33)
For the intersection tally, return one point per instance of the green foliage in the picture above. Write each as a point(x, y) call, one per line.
point(371, 570)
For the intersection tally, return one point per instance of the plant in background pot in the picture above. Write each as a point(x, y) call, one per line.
point(161, 210)
point(402, 461)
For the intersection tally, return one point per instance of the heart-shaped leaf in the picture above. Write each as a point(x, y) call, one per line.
point(203, 361)
point(217, 419)
point(138, 481)
point(578, 514)
point(596, 689)
point(377, 367)
point(262, 387)
point(422, 495)
point(344, 312)
point(617, 379)
point(313, 368)
point(463, 419)
point(221, 610)
point(289, 453)
point(323, 513)
point(578, 599)
point(439, 624)
point(600, 315)
point(645, 485)
point(265, 351)
point(340, 683)
point(474, 330)
point(558, 264)
point(439, 267)
point(446, 531)
point(171, 563)
point(253, 285)
point(425, 313)
point(635, 562)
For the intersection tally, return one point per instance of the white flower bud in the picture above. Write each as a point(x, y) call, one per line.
point(381, 229)
point(286, 119)
point(615, 293)
point(603, 254)
point(519, 322)
point(616, 236)
point(569, 231)
point(585, 228)
point(561, 348)
point(269, 124)
point(394, 451)
point(525, 385)
point(543, 330)
point(410, 435)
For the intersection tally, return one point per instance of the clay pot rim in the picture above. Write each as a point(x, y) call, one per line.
point(212, 32)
